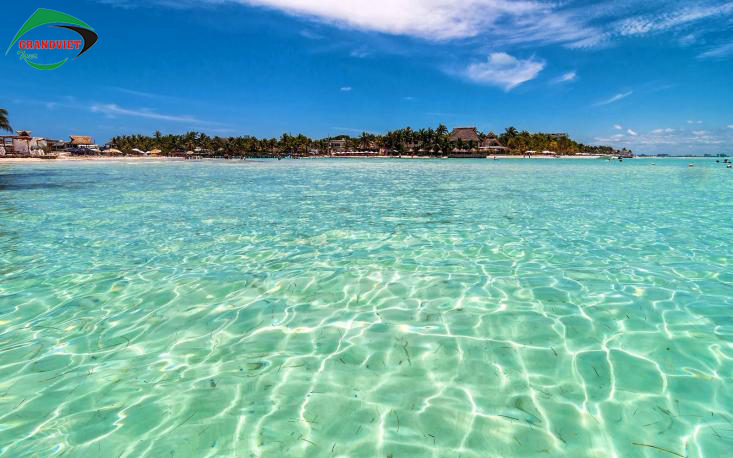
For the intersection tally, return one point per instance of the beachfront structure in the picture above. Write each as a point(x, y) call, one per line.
point(337, 145)
point(83, 142)
point(491, 144)
point(470, 137)
point(465, 134)
point(22, 144)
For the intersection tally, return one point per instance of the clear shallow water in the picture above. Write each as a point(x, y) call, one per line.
point(367, 308)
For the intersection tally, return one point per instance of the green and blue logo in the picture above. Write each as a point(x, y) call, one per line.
point(52, 18)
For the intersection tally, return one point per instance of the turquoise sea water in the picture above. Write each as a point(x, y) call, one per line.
point(367, 308)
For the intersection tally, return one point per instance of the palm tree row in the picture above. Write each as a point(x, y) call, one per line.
point(524, 141)
point(427, 142)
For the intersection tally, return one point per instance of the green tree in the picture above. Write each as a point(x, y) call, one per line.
point(4, 123)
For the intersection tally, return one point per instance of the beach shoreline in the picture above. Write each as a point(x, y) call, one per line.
point(72, 159)
point(22, 160)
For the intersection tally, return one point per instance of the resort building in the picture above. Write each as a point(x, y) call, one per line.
point(465, 134)
point(22, 144)
point(337, 146)
point(83, 142)
point(491, 144)
point(470, 137)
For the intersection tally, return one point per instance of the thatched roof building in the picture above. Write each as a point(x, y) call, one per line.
point(78, 140)
point(467, 134)
point(491, 142)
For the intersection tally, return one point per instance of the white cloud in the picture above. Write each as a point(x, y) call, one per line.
point(517, 20)
point(632, 132)
point(345, 89)
point(111, 109)
point(672, 140)
point(618, 127)
point(566, 78)
point(615, 98)
point(502, 22)
point(730, 126)
point(504, 71)
point(692, 121)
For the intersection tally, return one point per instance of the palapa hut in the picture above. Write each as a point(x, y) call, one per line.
point(491, 143)
point(467, 134)
point(23, 142)
point(466, 140)
point(81, 140)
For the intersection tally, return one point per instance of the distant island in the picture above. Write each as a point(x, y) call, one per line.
point(438, 142)
point(461, 142)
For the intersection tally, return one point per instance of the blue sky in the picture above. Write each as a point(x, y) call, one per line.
point(653, 76)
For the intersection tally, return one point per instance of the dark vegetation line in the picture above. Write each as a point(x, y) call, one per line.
point(422, 142)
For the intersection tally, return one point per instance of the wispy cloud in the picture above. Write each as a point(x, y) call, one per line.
point(692, 121)
point(503, 70)
point(675, 16)
point(637, 18)
point(615, 98)
point(112, 109)
point(631, 132)
point(345, 89)
point(311, 35)
point(717, 52)
point(360, 52)
point(730, 126)
point(565, 78)
point(134, 92)
point(618, 127)
point(350, 129)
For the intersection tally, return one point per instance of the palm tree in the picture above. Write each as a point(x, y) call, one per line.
point(365, 140)
point(441, 130)
point(4, 123)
